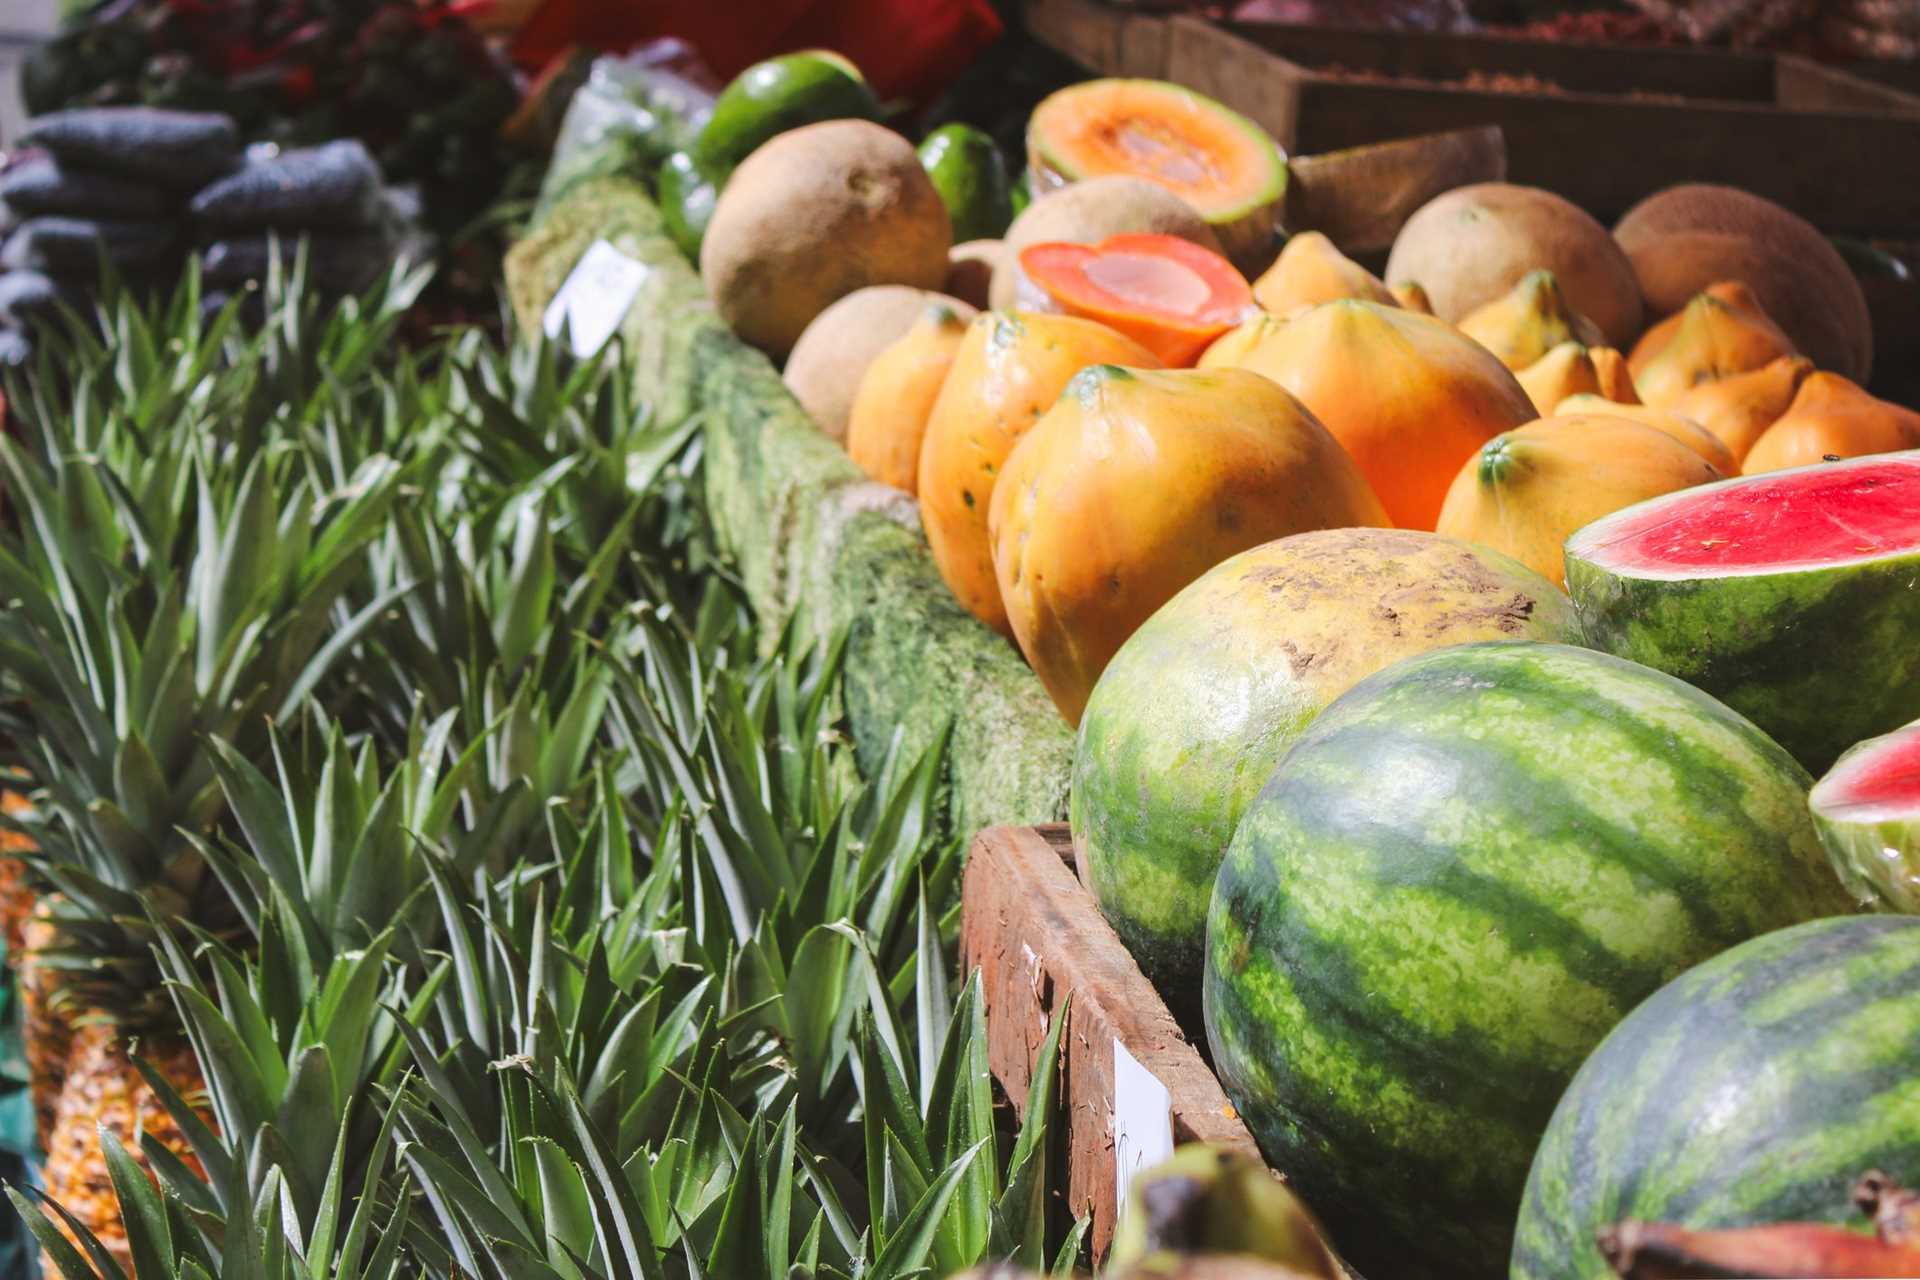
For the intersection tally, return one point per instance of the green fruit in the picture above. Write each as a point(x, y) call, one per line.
point(1022, 194)
point(1472, 866)
point(779, 94)
point(1206, 1199)
point(1756, 1088)
point(687, 199)
point(1189, 719)
point(1790, 595)
point(971, 177)
point(1867, 810)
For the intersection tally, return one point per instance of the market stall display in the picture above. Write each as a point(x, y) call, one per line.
point(508, 811)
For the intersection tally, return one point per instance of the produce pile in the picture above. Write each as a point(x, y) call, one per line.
point(1452, 649)
point(128, 193)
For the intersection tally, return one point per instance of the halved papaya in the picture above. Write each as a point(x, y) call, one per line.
point(1223, 164)
point(1170, 295)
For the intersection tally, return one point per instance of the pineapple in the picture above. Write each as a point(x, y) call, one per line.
point(16, 889)
point(103, 1089)
point(46, 1028)
point(177, 571)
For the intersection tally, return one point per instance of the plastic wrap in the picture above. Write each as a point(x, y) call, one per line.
point(632, 112)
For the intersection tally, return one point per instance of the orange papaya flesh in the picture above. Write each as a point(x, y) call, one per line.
point(1170, 295)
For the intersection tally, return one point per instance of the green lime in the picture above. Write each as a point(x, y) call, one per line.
point(971, 178)
point(779, 94)
point(1023, 192)
point(687, 197)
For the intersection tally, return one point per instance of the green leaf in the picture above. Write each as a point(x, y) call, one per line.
point(910, 1245)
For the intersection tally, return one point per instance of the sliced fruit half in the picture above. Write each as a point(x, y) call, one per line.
point(1170, 295)
point(1867, 810)
point(1790, 596)
point(1214, 158)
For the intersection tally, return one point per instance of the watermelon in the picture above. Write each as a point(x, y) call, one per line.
point(1194, 711)
point(1867, 810)
point(1467, 870)
point(1793, 596)
point(1754, 1088)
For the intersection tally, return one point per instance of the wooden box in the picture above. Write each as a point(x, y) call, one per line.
point(1036, 936)
point(1602, 125)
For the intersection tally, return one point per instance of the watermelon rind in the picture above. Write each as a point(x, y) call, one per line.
point(1875, 849)
point(1470, 867)
point(1819, 656)
point(1192, 714)
point(1755, 1088)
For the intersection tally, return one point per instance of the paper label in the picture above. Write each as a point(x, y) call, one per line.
point(1142, 1124)
point(594, 299)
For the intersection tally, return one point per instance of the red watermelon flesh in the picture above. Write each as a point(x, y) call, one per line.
point(1882, 780)
point(1811, 516)
point(1867, 810)
point(1792, 596)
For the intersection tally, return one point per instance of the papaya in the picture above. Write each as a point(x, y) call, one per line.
point(1721, 331)
point(1135, 483)
point(1409, 396)
point(1169, 295)
point(1309, 271)
point(896, 395)
point(1526, 491)
point(1832, 416)
point(1412, 295)
point(1233, 345)
point(1571, 369)
point(1009, 370)
point(1684, 429)
point(1223, 164)
point(1469, 245)
point(1740, 407)
point(1529, 320)
point(1086, 213)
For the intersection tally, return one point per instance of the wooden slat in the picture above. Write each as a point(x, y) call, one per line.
point(1036, 936)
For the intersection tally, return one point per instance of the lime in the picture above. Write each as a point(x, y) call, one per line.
point(687, 197)
point(779, 94)
point(971, 178)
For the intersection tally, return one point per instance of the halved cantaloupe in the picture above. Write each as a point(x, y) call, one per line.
point(1169, 295)
point(1223, 164)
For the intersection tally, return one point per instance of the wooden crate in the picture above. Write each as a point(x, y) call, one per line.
point(1036, 936)
point(1835, 148)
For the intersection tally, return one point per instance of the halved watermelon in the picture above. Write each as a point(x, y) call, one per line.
point(1170, 295)
point(1223, 164)
point(1793, 596)
point(1867, 810)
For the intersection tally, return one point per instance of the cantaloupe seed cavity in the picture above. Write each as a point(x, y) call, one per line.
point(1146, 280)
point(1147, 146)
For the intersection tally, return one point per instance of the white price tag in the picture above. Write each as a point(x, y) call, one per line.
point(594, 298)
point(1142, 1123)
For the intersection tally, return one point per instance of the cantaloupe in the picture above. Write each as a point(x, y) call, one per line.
point(1223, 164)
point(1471, 245)
point(1688, 237)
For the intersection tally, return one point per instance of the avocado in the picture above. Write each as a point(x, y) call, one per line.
point(334, 185)
point(971, 177)
point(779, 94)
point(42, 186)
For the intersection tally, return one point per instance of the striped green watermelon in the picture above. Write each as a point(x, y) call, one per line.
point(1793, 596)
point(1754, 1088)
point(1867, 810)
point(1470, 867)
point(1197, 707)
